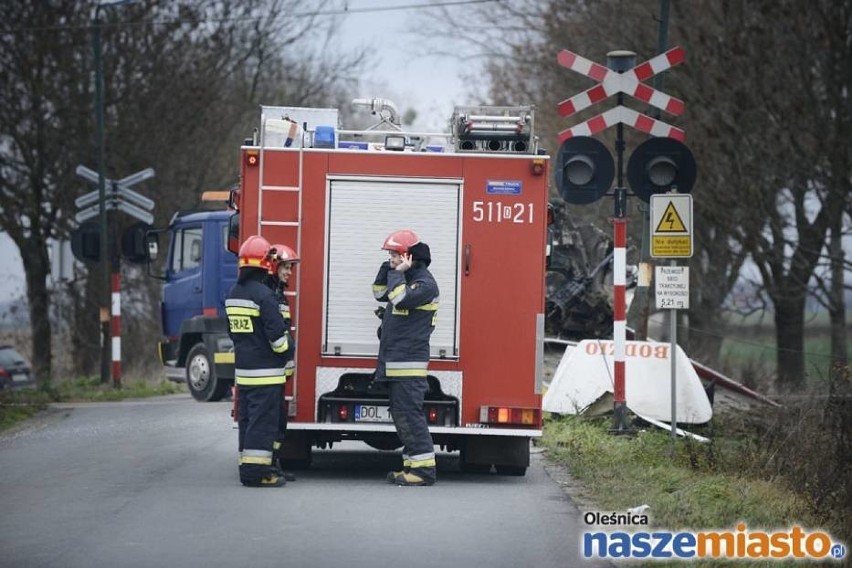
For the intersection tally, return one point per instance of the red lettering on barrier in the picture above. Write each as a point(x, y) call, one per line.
point(631, 349)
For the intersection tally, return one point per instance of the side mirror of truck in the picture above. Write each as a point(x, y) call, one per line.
point(234, 233)
point(153, 246)
point(152, 243)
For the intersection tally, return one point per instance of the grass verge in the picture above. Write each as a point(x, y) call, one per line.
point(701, 486)
point(18, 405)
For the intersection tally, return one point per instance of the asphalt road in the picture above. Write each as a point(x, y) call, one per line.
point(154, 483)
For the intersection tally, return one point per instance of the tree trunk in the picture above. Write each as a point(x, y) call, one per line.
point(790, 342)
point(837, 300)
point(37, 268)
point(86, 339)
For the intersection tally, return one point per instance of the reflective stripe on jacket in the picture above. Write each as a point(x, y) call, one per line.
point(284, 310)
point(260, 335)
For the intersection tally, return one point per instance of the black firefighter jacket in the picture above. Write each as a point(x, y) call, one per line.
point(408, 321)
point(261, 338)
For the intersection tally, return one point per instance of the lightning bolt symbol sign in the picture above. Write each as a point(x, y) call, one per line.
point(670, 221)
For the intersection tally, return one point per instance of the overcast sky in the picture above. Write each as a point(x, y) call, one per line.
point(412, 77)
point(403, 72)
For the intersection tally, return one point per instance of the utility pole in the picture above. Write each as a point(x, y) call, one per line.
point(104, 311)
point(104, 252)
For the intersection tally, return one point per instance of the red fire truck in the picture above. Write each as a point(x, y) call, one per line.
point(479, 198)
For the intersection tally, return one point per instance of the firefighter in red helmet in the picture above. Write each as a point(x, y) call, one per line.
point(283, 259)
point(261, 350)
point(411, 293)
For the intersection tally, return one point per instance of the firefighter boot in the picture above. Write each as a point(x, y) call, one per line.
point(412, 479)
point(271, 480)
point(288, 475)
point(392, 475)
point(406, 467)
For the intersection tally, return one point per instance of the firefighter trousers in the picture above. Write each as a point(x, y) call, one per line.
point(282, 429)
point(259, 415)
point(406, 406)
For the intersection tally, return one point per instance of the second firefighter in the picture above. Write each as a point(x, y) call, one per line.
point(283, 260)
point(411, 293)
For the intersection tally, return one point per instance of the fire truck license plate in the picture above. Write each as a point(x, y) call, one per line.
point(372, 413)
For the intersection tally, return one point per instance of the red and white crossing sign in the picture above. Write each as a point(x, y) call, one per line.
point(629, 82)
point(626, 116)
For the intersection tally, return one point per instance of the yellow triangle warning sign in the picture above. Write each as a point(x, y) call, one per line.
point(670, 221)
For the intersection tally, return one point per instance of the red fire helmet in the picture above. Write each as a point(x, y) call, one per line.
point(254, 252)
point(401, 241)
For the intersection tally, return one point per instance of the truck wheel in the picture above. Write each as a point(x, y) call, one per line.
point(476, 468)
point(295, 465)
point(516, 470)
point(296, 452)
point(468, 467)
point(510, 456)
point(201, 376)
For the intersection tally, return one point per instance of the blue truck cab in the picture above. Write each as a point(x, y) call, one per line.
point(199, 272)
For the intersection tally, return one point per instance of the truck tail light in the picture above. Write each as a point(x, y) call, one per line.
point(510, 415)
point(343, 413)
point(252, 157)
point(432, 415)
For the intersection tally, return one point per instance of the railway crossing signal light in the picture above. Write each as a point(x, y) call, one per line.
point(584, 170)
point(86, 242)
point(134, 242)
point(659, 165)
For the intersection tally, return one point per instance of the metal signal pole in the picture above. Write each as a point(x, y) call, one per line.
point(106, 293)
point(620, 61)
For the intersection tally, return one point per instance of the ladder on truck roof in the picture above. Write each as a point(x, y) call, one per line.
point(297, 223)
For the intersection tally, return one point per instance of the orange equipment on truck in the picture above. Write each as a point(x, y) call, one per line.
point(479, 199)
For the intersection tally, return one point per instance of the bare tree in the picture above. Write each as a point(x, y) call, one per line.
point(183, 80)
point(519, 41)
point(794, 123)
point(767, 90)
point(40, 88)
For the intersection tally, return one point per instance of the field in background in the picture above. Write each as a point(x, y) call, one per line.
point(750, 353)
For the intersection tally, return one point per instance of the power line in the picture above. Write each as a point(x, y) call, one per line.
point(406, 7)
point(319, 13)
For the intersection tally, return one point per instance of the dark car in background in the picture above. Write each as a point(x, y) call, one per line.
point(15, 372)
